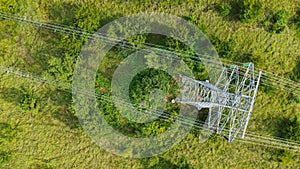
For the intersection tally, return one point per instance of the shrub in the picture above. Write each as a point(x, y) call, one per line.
point(10, 6)
point(296, 70)
point(249, 10)
point(4, 157)
point(225, 48)
point(298, 31)
point(294, 98)
point(268, 88)
point(7, 133)
point(286, 157)
point(290, 128)
point(203, 28)
point(87, 17)
point(224, 9)
point(297, 22)
point(28, 101)
point(278, 21)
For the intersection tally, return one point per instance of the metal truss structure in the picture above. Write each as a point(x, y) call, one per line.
point(230, 101)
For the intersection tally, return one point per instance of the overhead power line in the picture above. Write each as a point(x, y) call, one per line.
point(250, 138)
point(267, 79)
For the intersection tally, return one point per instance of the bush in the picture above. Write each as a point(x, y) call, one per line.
point(10, 6)
point(297, 22)
point(203, 28)
point(249, 10)
point(87, 17)
point(294, 98)
point(278, 21)
point(290, 128)
point(286, 157)
point(225, 48)
point(224, 9)
point(4, 157)
point(298, 31)
point(28, 101)
point(7, 133)
point(296, 70)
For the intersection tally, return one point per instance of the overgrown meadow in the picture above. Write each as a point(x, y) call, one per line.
point(38, 126)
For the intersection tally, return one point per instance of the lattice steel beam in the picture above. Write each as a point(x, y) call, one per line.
point(230, 101)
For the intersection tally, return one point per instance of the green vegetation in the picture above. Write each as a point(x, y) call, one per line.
point(249, 10)
point(7, 132)
point(297, 21)
point(38, 126)
point(4, 157)
point(290, 128)
point(28, 101)
point(224, 9)
point(225, 48)
point(278, 21)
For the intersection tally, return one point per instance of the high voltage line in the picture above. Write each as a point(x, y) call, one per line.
point(250, 138)
point(268, 79)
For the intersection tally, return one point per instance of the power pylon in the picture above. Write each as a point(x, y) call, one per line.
point(230, 101)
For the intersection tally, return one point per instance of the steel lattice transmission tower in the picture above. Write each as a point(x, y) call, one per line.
point(230, 101)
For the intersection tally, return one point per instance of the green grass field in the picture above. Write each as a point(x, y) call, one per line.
point(38, 126)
